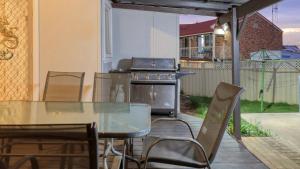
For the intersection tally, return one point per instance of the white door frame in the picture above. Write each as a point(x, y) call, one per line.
point(106, 57)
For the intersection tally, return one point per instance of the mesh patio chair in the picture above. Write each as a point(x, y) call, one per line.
point(196, 152)
point(67, 132)
point(63, 86)
point(111, 87)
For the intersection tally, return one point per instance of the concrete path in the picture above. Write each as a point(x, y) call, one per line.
point(283, 126)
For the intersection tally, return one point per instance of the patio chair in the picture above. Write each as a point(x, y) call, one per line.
point(196, 152)
point(111, 87)
point(63, 86)
point(67, 132)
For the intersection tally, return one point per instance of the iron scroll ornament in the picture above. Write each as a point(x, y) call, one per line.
point(8, 39)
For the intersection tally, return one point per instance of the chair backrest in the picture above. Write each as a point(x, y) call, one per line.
point(81, 132)
point(63, 86)
point(217, 117)
point(111, 87)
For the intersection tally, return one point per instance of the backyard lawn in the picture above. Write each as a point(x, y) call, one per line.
point(201, 103)
point(200, 106)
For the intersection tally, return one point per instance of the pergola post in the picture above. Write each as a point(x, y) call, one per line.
point(236, 70)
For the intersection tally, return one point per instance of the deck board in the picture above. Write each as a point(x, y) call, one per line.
point(274, 154)
point(231, 154)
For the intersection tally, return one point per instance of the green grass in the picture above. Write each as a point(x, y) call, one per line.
point(249, 106)
point(247, 129)
point(254, 107)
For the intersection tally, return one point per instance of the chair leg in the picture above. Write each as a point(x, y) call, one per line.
point(124, 157)
point(93, 154)
point(131, 146)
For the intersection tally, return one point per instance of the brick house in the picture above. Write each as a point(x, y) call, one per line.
point(201, 41)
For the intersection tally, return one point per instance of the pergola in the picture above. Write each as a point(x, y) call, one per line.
point(228, 11)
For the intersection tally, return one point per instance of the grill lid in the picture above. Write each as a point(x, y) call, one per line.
point(155, 64)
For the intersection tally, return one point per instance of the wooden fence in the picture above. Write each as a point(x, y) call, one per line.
point(281, 79)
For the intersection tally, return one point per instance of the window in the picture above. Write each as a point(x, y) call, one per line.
point(205, 42)
point(208, 40)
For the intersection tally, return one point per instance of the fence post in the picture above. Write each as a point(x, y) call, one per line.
point(235, 71)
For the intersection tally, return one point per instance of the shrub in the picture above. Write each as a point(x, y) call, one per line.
point(247, 129)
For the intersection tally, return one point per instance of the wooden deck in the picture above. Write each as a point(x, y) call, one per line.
point(275, 153)
point(231, 154)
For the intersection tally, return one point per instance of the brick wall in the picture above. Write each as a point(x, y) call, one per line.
point(257, 34)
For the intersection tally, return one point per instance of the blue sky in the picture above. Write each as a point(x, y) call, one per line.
point(288, 20)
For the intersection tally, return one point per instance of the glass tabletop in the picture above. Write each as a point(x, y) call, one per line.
point(120, 120)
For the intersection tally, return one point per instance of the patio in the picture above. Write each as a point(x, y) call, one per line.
point(231, 154)
point(62, 40)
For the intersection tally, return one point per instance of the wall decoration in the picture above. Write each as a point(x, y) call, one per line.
point(8, 39)
point(15, 50)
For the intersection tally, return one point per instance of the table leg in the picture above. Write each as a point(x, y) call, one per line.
point(115, 152)
point(124, 156)
point(107, 149)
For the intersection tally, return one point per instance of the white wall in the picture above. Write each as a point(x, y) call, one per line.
point(69, 39)
point(144, 34)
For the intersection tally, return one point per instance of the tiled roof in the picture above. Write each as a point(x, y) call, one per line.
point(197, 28)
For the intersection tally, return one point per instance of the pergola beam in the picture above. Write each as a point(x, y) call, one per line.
point(195, 4)
point(165, 9)
point(247, 8)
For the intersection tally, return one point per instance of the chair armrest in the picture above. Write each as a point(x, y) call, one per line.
point(175, 120)
point(32, 159)
point(193, 141)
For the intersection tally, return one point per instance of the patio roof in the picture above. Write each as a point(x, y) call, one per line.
point(227, 11)
point(219, 8)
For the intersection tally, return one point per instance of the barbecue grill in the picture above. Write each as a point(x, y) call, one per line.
point(155, 81)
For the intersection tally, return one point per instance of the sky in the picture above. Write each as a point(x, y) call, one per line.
point(288, 19)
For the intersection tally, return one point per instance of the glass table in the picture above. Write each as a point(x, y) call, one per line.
point(114, 120)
